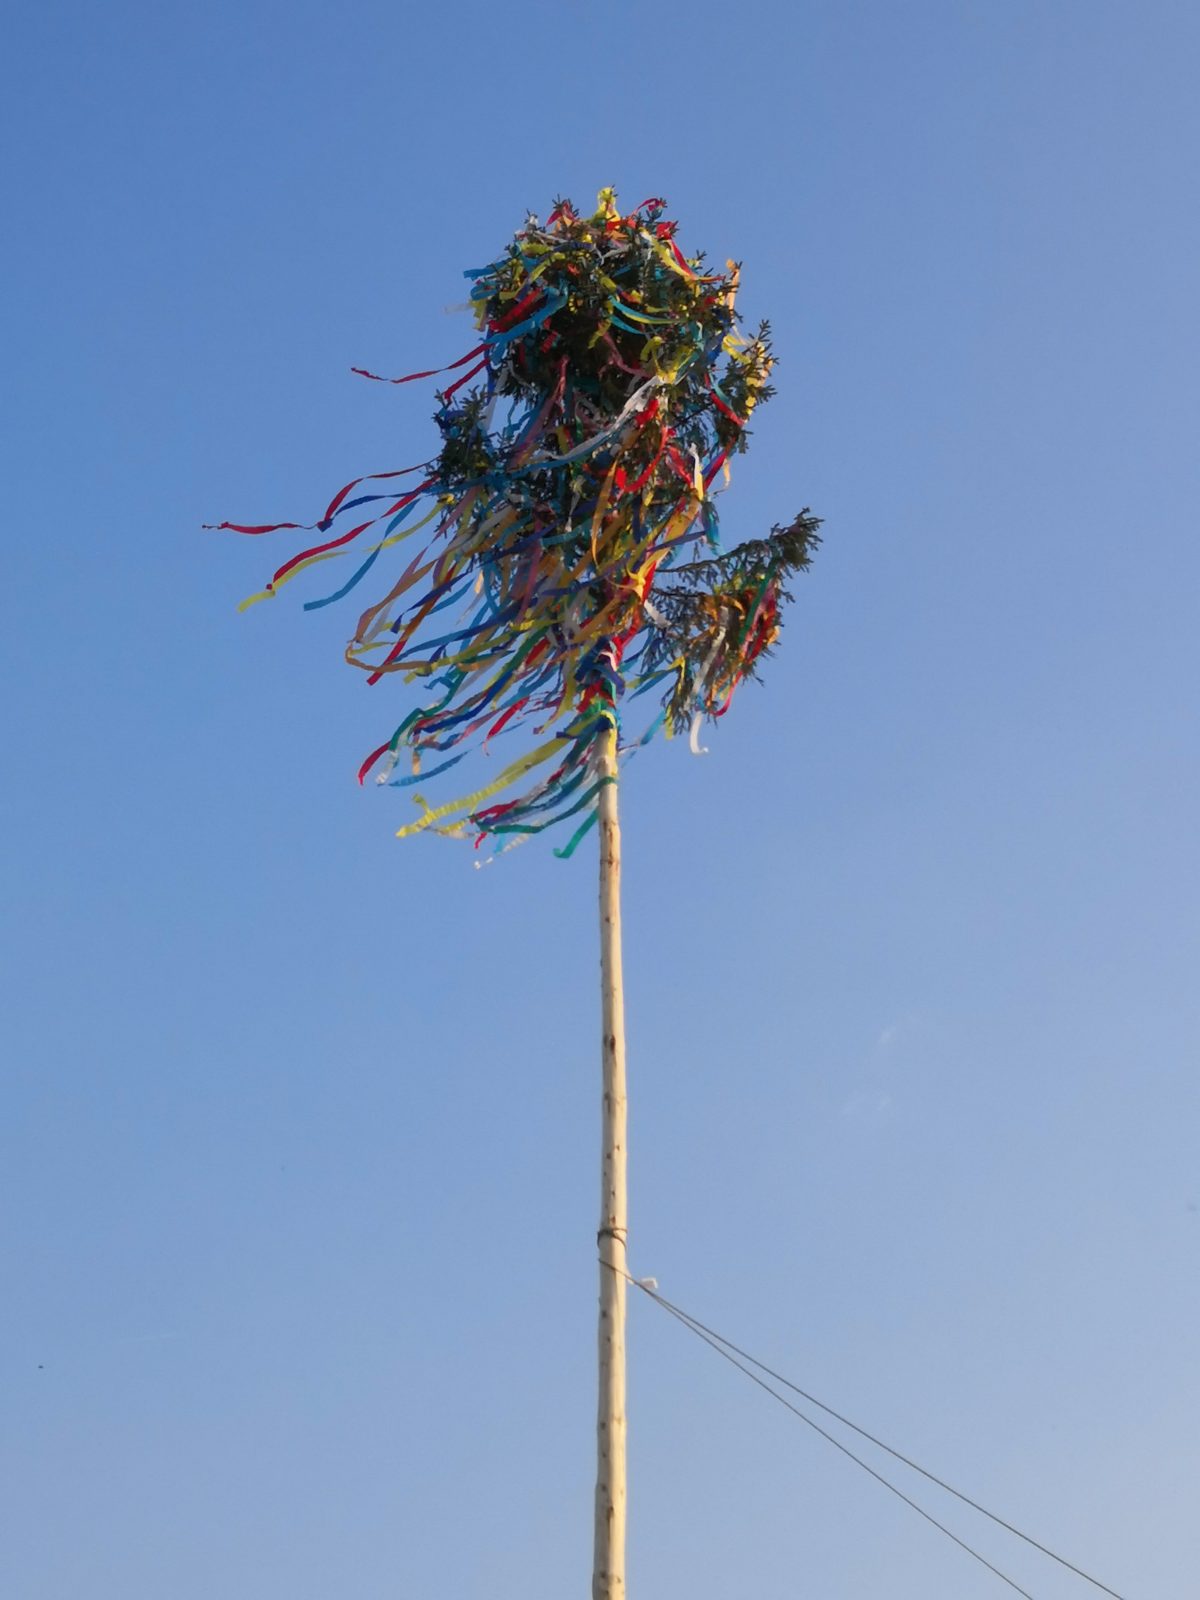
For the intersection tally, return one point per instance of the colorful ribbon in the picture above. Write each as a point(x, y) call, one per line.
point(613, 386)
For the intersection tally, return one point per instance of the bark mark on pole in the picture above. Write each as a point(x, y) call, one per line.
point(608, 1565)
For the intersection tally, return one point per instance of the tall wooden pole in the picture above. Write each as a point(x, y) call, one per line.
point(608, 1564)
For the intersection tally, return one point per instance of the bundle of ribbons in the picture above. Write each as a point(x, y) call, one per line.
point(583, 438)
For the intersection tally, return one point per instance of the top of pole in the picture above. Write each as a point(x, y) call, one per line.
point(582, 438)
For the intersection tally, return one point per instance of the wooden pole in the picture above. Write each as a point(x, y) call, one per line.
point(608, 1564)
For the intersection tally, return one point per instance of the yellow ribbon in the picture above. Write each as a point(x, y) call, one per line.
point(469, 802)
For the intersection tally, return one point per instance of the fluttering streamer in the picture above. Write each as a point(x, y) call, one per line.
point(557, 580)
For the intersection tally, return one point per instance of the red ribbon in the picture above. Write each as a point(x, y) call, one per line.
point(411, 377)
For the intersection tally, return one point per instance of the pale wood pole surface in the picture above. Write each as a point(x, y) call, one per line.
point(608, 1566)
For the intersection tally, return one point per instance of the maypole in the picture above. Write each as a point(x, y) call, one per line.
point(608, 1557)
point(585, 438)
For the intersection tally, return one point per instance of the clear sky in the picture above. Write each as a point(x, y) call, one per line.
point(301, 1123)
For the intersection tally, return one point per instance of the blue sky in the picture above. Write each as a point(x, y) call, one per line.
point(301, 1122)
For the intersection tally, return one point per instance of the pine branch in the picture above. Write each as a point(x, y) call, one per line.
point(717, 618)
